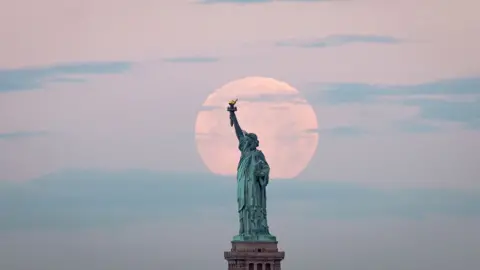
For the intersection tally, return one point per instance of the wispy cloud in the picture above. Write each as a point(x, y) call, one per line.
point(191, 59)
point(21, 135)
point(92, 198)
point(259, 1)
point(234, 1)
point(339, 131)
point(34, 77)
point(337, 40)
point(337, 93)
point(467, 113)
point(446, 100)
point(212, 108)
point(276, 97)
point(416, 127)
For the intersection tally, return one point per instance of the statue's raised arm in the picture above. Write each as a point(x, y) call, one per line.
point(233, 118)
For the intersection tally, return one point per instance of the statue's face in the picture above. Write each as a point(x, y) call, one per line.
point(252, 141)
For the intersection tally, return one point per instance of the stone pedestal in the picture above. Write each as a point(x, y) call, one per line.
point(254, 256)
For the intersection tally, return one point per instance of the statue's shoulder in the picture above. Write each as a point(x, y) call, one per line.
point(260, 153)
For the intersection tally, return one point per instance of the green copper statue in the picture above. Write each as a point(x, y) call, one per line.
point(252, 179)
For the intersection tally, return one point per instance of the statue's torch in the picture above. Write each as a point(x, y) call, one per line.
point(231, 108)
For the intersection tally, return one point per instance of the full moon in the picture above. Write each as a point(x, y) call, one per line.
point(282, 119)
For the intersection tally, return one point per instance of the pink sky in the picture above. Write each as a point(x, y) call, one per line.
point(438, 33)
point(439, 39)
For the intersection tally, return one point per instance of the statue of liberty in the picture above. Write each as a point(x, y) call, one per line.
point(252, 179)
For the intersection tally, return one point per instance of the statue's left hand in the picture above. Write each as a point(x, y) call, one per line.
point(259, 165)
point(261, 168)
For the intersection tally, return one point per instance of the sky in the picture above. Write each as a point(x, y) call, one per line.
point(99, 167)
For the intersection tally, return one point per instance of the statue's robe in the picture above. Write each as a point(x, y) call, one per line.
point(252, 179)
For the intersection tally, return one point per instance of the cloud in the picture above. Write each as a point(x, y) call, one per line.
point(191, 59)
point(20, 135)
point(143, 120)
point(212, 108)
point(235, 1)
point(95, 198)
point(441, 55)
point(454, 100)
point(338, 40)
point(276, 97)
point(34, 77)
point(78, 199)
point(127, 120)
point(339, 131)
point(352, 201)
point(466, 113)
point(193, 243)
point(412, 126)
point(337, 93)
point(279, 108)
point(258, 1)
point(369, 119)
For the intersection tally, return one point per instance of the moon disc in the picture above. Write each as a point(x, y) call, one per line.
point(282, 119)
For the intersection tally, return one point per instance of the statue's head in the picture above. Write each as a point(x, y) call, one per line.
point(252, 141)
